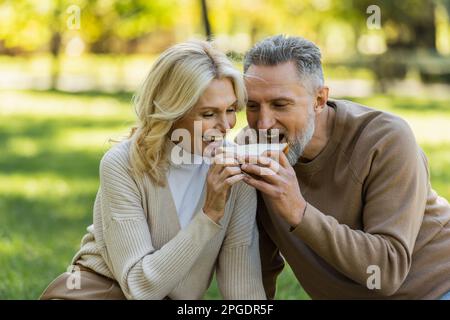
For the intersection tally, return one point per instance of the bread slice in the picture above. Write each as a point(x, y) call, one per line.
point(255, 149)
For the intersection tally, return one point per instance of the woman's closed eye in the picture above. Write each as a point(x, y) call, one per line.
point(208, 114)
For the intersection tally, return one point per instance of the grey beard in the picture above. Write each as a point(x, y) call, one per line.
point(297, 147)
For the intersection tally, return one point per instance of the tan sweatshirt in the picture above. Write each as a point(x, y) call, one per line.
point(371, 212)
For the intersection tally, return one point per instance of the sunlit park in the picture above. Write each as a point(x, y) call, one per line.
point(68, 71)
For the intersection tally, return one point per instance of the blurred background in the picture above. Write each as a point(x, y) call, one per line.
point(68, 70)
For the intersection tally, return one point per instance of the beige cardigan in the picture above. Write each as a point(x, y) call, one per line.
point(136, 239)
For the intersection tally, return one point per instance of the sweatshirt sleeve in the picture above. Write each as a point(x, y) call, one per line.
point(394, 197)
point(239, 266)
point(142, 271)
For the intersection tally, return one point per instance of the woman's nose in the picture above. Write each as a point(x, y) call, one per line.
point(223, 124)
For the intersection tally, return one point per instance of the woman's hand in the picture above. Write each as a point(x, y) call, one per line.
point(223, 173)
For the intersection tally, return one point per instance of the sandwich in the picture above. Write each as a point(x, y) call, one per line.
point(255, 149)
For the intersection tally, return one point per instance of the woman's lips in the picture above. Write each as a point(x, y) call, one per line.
point(210, 139)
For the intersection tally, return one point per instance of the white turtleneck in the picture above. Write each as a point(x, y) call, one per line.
point(186, 183)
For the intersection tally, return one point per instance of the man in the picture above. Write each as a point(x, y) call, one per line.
point(351, 208)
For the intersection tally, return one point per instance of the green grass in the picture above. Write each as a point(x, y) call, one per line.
point(51, 144)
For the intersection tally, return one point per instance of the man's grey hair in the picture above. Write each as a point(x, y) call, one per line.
point(279, 49)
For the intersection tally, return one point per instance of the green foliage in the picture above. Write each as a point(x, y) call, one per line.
point(115, 25)
point(29, 25)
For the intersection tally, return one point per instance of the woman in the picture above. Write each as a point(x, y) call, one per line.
point(161, 227)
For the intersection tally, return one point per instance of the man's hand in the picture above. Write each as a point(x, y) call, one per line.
point(278, 182)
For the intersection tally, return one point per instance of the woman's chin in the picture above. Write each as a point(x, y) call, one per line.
point(208, 148)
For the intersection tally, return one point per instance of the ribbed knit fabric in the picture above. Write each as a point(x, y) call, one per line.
point(136, 239)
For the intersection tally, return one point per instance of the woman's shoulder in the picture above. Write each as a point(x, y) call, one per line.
point(117, 156)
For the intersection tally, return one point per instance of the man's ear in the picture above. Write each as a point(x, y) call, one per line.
point(321, 99)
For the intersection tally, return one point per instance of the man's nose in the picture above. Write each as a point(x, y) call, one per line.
point(266, 119)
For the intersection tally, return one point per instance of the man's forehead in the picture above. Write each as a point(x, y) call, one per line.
point(270, 84)
point(267, 82)
point(271, 92)
point(278, 75)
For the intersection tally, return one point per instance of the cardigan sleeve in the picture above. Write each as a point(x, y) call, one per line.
point(239, 266)
point(142, 271)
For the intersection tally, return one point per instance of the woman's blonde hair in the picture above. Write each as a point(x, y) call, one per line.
point(172, 88)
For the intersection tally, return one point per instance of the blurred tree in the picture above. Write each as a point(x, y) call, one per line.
point(120, 26)
point(407, 24)
point(205, 19)
point(409, 30)
point(56, 30)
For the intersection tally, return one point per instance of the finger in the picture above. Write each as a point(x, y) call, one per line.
point(264, 161)
point(264, 173)
point(219, 163)
point(234, 179)
point(261, 185)
point(227, 155)
point(231, 154)
point(214, 169)
point(230, 171)
point(279, 157)
point(225, 161)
